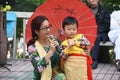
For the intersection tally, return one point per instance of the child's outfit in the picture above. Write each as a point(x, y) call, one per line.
point(78, 65)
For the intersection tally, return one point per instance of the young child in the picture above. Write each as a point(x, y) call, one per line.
point(78, 64)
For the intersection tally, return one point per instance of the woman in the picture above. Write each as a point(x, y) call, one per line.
point(43, 56)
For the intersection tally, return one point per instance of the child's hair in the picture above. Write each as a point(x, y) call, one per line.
point(69, 20)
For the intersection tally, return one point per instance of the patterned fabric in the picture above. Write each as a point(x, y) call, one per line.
point(40, 64)
point(77, 65)
point(81, 44)
point(47, 72)
point(76, 68)
point(34, 57)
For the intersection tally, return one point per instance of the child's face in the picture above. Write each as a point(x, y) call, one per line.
point(70, 30)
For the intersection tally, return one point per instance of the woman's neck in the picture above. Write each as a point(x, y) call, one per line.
point(44, 42)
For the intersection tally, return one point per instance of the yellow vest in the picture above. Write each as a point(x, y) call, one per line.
point(76, 48)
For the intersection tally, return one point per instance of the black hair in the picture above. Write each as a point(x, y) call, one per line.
point(35, 26)
point(69, 20)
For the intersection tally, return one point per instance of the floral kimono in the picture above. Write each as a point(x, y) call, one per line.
point(43, 70)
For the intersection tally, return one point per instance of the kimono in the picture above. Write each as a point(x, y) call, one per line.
point(43, 70)
point(78, 65)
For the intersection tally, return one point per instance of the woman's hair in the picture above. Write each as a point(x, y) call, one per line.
point(35, 26)
point(69, 20)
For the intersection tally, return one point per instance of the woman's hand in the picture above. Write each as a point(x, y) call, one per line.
point(53, 44)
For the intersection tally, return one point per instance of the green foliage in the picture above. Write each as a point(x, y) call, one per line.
point(111, 54)
point(19, 28)
point(22, 55)
point(83, 0)
point(5, 8)
point(25, 6)
point(112, 4)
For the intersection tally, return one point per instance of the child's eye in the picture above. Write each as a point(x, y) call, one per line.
point(68, 29)
point(74, 29)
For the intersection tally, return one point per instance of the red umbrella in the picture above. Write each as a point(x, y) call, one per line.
point(57, 10)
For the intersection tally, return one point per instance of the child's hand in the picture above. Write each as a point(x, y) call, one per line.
point(71, 42)
point(64, 56)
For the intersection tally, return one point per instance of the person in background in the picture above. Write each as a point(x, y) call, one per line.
point(42, 52)
point(77, 62)
point(102, 16)
point(114, 36)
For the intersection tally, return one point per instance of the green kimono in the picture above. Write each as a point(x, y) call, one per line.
point(40, 64)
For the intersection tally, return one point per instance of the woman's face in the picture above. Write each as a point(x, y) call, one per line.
point(70, 30)
point(44, 30)
point(93, 3)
